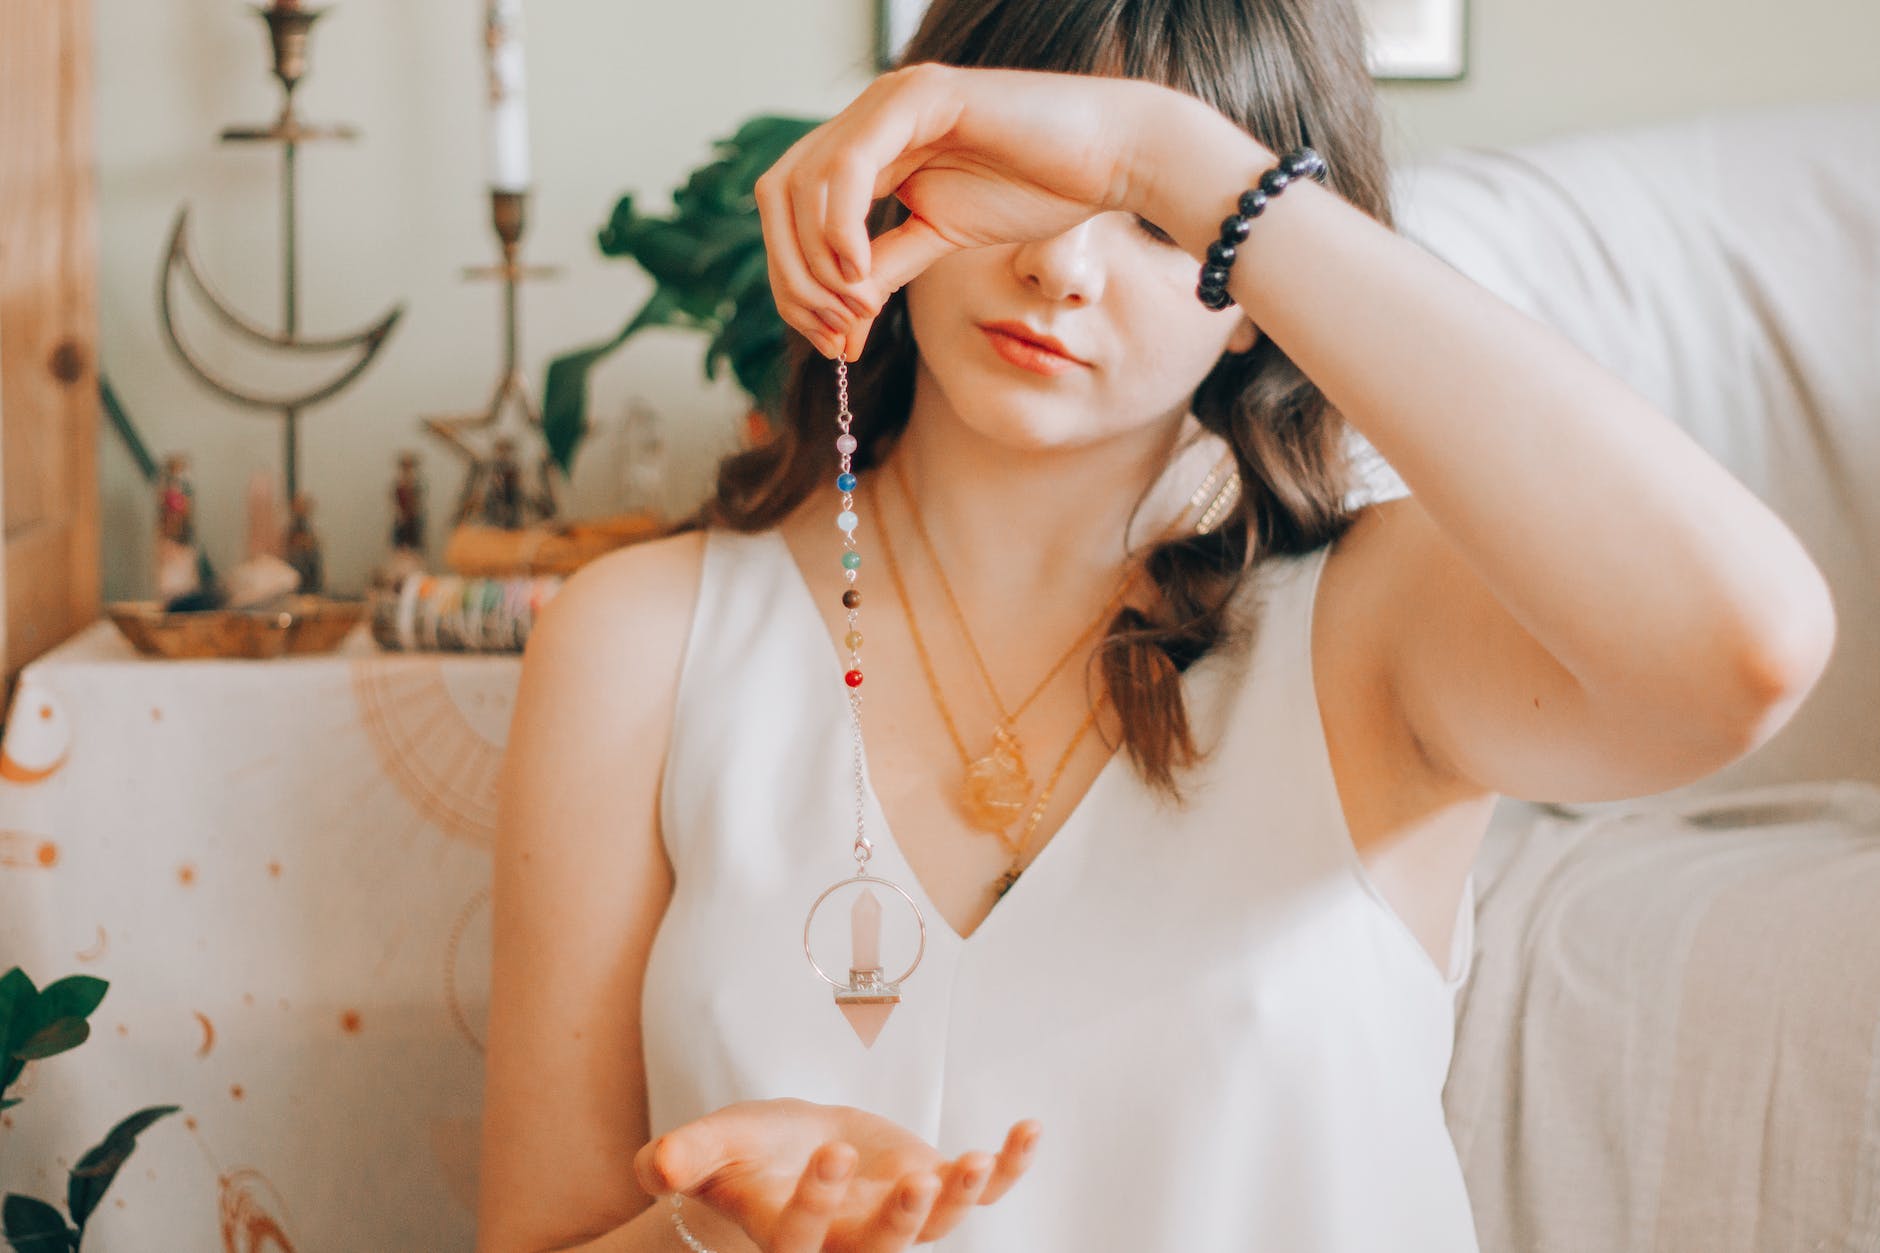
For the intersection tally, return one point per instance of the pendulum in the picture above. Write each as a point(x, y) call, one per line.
point(866, 998)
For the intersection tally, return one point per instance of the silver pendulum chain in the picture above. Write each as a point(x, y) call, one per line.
point(868, 995)
point(845, 445)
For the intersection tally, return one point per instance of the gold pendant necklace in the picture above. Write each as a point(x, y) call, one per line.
point(997, 782)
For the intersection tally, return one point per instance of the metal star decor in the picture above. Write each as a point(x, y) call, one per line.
point(480, 439)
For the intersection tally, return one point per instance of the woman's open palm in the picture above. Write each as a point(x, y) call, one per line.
point(760, 1164)
point(979, 156)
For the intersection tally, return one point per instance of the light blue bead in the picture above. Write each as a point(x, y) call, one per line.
point(846, 520)
point(845, 482)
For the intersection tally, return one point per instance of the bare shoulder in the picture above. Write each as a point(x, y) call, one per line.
point(603, 659)
point(650, 586)
point(579, 885)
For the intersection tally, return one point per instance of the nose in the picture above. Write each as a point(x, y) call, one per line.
point(1067, 266)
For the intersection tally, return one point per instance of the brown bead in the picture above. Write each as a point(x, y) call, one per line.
point(851, 599)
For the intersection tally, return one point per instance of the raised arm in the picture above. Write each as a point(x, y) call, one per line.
point(1588, 606)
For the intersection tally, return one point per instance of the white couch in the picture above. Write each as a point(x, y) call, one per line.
point(1671, 1041)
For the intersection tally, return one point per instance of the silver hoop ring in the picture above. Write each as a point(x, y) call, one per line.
point(863, 878)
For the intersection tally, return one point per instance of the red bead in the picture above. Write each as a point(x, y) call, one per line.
point(854, 678)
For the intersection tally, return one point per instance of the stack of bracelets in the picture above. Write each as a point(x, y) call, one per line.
point(456, 613)
point(1299, 163)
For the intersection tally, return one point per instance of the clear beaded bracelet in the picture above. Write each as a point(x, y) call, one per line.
point(1299, 163)
point(685, 1234)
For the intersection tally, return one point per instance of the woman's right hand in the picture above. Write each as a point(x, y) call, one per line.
point(761, 1163)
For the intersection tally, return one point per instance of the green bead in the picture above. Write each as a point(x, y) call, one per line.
point(851, 559)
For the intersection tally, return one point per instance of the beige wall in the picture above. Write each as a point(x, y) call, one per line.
point(628, 96)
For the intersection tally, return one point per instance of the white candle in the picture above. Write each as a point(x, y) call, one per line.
point(509, 115)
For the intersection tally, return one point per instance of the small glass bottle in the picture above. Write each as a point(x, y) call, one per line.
point(643, 460)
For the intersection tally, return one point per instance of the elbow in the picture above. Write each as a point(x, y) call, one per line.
point(1778, 670)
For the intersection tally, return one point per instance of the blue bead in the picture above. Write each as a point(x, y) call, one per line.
point(846, 520)
point(845, 482)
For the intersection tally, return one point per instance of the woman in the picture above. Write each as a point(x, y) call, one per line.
point(1227, 991)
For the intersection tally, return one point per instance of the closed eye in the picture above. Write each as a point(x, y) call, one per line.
point(1153, 231)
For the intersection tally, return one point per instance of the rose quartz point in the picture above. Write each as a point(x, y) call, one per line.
point(868, 1020)
point(865, 931)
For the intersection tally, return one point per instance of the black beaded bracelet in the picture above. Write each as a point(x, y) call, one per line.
point(1299, 163)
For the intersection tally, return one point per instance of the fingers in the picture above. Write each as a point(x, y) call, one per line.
point(804, 1222)
point(897, 1221)
point(1013, 1159)
point(802, 301)
point(660, 1166)
point(902, 253)
point(809, 201)
point(960, 1189)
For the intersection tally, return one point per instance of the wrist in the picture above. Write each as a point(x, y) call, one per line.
point(1194, 165)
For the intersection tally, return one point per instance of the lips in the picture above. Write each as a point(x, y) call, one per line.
point(1018, 330)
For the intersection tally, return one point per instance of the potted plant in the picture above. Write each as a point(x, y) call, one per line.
point(36, 1024)
point(708, 263)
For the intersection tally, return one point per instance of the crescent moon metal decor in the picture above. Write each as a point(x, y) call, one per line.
point(365, 343)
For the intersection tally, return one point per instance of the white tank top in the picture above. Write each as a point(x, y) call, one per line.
point(1231, 1041)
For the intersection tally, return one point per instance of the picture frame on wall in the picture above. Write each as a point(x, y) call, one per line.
point(1420, 40)
point(1425, 40)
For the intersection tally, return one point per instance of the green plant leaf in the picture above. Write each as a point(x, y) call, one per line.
point(710, 272)
point(54, 1038)
point(17, 995)
point(667, 250)
point(32, 1226)
point(92, 1177)
point(564, 390)
point(74, 996)
point(756, 350)
point(711, 190)
point(613, 236)
point(8, 1102)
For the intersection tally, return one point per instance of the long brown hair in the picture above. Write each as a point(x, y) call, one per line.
point(1290, 72)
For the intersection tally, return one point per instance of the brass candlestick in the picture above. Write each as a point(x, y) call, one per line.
point(492, 490)
point(289, 25)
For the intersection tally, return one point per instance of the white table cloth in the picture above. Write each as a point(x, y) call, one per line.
point(282, 868)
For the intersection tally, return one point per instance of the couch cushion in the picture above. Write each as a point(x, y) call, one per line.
point(1669, 1041)
point(1727, 267)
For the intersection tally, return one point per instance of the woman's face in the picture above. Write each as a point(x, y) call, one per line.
point(1117, 294)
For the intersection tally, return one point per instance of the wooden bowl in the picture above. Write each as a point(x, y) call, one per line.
point(294, 625)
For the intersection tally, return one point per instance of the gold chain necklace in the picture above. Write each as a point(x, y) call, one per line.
point(1003, 767)
point(983, 816)
point(998, 783)
point(1018, 846)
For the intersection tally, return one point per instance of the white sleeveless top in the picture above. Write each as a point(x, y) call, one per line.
point(1230, 1040)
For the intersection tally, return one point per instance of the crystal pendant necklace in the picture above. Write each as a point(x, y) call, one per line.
point(866, 997)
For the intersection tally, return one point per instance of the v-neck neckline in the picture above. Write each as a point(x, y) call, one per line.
point(878, 816)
